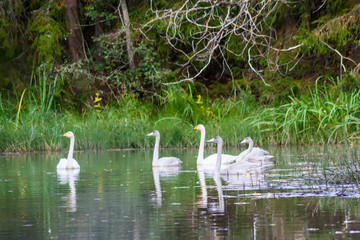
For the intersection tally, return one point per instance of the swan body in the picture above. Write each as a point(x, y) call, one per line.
point(69, 162)
point(253, 155)
point(164, 161)
point(236, 168)
point(246, 167)
point(211, 160)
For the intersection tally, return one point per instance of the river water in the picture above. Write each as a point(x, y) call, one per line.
point(117, 195)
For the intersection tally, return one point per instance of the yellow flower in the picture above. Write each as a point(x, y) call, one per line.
point(97, 99)
point(97, 110)
point(97, 105)
point(199, 99)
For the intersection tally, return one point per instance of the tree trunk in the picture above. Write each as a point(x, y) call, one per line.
point(98, 27)
point(129, 45)
point(75, 36)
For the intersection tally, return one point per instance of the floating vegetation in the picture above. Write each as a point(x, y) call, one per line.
point(330, 174)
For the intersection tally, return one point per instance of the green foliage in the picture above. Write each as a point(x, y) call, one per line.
point(110, 65)
point(11, 28)
point(43, 88)
point(326, 115)
point(46, 33)
point(338, 28)
point(98, 10)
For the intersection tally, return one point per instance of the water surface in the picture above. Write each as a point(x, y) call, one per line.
point(117, 195)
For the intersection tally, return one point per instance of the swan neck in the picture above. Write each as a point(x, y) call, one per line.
point(156, 150)
point(218, 161)
point(251, 144)
point(71, 152)
point(248, 150)
point(201, 148)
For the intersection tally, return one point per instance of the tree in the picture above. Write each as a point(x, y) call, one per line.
point(208, 31)
point(126, 22)
point(75, 40)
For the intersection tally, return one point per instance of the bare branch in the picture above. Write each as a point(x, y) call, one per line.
point(216, 28)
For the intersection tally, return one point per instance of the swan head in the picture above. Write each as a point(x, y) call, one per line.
point(154, 134)
point(68, 135)
point(216, 139)
point(246, 140)
point(199, 127)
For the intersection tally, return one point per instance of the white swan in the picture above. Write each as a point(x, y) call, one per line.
point(210, 160)
point(70, 162)
point(253, 155)
point(235, 168)
point(219, 142)
point(220, 207)
point(164, 161)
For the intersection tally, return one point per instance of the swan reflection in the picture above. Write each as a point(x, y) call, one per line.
point(202, 202)
point(163, 173)
point(219, 207)
point(247, 174)
point(69, 176)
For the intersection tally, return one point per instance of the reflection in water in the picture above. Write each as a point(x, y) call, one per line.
point(69, 176)
point(202, 203)
point(292, 203)
point(246, 180)
point(248, 177)
point(218, 207)
point(163, 173)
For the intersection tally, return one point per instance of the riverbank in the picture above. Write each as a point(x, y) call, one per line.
point(325, 115)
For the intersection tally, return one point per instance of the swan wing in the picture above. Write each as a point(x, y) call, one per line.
point(226, 159)
point(75, 164)
point(257, 154)
point(169, 161)
point(62, 164)
point(243, 168)
point(241, 155)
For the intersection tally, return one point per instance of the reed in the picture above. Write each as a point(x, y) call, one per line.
point(325, 115)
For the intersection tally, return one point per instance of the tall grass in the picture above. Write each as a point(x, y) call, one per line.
point(325, 115)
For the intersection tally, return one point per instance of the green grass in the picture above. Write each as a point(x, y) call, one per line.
point(325, 115)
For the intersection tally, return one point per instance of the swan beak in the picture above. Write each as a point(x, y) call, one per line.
point(195, 128)
point(65, 135)
point(244, 141)
point(211, 140)
point(149, 135)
